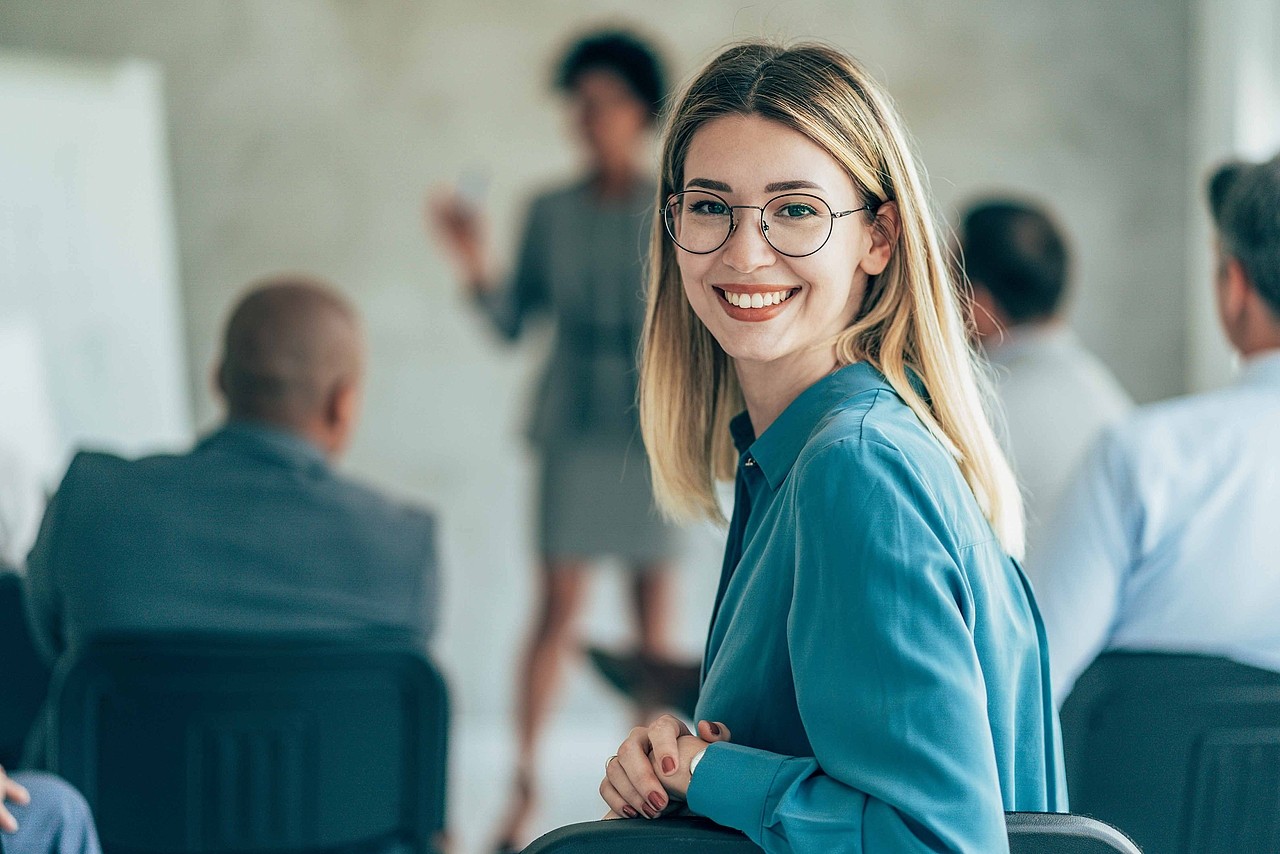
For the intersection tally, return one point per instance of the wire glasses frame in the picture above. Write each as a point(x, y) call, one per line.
point(716, 216)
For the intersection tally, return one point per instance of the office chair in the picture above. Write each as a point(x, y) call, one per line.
point(1182, 751)
point(23, 675)
point(1029, 833)
point(190, 744)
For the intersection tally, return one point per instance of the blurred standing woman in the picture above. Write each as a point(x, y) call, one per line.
point(876, 676)
point(580, 265)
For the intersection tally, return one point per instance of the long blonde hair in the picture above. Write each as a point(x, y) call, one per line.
point(910, 321)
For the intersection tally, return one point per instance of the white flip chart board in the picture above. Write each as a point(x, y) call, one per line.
point(88, 268)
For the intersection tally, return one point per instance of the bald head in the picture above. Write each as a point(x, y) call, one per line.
point(292, 357)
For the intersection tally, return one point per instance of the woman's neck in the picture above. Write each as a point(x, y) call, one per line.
point(769, 387)
point(617, 178)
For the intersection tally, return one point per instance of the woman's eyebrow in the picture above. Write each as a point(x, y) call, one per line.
point(780, 186)
point(708, 184)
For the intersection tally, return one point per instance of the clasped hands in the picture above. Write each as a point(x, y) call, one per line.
point(651, 769)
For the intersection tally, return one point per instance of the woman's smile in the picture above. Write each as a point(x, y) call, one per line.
point(754, 303)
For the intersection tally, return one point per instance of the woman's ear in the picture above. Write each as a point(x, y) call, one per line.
point(884, 237)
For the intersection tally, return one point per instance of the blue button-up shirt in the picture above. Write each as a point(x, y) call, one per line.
point(876, 655)
point(1166, 540)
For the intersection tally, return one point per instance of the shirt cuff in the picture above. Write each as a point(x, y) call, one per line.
point(732, 786)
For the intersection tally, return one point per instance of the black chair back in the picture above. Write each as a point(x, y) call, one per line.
point(23, 675)
point(1029, 833)
point(249, 744)
point(1182, 751)
point(1060, 833)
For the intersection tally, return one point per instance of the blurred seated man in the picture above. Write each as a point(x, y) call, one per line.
point(253, 530)
point(41, 814)
point(1055, 394)
point(1165, 542)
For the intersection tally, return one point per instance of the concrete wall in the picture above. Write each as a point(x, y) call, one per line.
point(303, 135)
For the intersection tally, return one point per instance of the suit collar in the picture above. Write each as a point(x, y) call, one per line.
point(271, 444)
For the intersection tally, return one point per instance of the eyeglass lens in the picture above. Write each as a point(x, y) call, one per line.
point(700, 222)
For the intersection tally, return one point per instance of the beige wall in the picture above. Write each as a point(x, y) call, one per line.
point(302, 135)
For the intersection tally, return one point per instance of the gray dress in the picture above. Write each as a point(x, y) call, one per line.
point(581, 265)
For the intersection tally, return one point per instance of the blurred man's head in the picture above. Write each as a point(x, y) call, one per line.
point(1244, 199)
point(1016, 260)
point(293, 357)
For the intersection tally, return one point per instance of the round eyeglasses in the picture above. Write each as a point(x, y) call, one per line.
point(794, 224)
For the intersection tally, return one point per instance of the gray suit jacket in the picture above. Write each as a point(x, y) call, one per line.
point(252, 531)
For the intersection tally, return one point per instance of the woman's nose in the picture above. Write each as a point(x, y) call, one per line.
point(747, 249)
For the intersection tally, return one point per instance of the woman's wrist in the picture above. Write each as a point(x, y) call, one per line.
point(693, 763)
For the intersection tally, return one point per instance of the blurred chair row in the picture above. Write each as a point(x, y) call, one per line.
point(189, 743)
point(197, 744)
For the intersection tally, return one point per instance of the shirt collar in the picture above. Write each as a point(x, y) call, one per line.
point(1263, 368)
point(776, 451)
point(272, 443)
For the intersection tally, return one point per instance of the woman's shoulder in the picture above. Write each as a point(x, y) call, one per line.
point(872, 428)
point(872, 470)
point(558, 194)
point(875, 442)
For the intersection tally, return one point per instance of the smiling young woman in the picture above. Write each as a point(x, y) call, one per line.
point(876, 675)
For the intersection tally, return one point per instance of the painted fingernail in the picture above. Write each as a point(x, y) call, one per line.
point(715, 728)
point(629, 812)
point(657, 800)
point(668, 765)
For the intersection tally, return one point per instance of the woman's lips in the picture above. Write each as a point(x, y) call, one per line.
point(753, 303)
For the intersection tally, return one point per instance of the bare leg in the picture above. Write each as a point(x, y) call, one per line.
point(651, 598)
point(563, 585)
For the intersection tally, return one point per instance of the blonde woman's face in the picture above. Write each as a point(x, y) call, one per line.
point(761, 305)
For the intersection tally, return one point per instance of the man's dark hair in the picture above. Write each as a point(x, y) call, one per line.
point(289, 342)
point(1244, 199)
point(1015, 251)
point(621, 53)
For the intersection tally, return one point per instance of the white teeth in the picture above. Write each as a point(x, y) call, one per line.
point(756, 300)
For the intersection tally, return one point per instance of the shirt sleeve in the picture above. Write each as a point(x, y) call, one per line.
point(887, 680)
point(1079, 569)
point(528, 292)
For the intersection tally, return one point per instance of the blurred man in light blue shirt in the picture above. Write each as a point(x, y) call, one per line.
point(1166, 540)
point(1055, 395)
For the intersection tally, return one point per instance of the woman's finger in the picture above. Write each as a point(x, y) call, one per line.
point(713, 731)
point(618, 805)
point(664, 737)
point(633, 760)
point(637, 805)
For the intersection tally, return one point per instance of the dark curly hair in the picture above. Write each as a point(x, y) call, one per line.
point(621, 53)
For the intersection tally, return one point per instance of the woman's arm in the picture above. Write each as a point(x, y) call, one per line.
point(460, 228)
point(887, 680)
point(528, 291)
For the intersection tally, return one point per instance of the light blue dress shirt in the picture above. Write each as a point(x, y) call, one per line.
point(876, 655)
point(1167, 539)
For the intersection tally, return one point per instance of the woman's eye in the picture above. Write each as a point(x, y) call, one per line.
point(709, 208)
point(796, 210)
